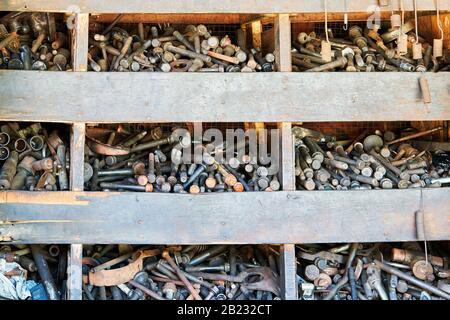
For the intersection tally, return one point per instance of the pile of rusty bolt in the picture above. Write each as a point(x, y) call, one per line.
point(365, 51)
point(154, 164)
point(373, 272)
point(44, 264)
point(374, 161)
point(165, 49)
point(33, 41)
point(31, 159)
point(193, 272)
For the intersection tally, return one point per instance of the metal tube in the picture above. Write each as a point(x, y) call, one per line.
point(413, 280)
point(117, 172)
point(44, 272)
point(152, 144)
point(415, 135)
point(206, 254)
point(223, 268)
point(146, 290)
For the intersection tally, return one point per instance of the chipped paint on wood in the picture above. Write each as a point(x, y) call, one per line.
point(42, 198)
point(316, 216)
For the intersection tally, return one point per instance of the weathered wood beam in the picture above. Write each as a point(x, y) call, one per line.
point(282, 30)
point(229, 218)
point(231, 97)
point(205, 6)
point(80, 37)
point(287, 156)
point(74, 274)
point(74, 278)
point(288, 272)
point(77, 140)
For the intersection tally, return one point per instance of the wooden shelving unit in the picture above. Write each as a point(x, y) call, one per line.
point(286, 217)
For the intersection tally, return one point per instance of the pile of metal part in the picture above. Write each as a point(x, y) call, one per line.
point(216, 272)
point(165, 49)
point(371, 161)
point(373, 272)
point(369, 51)
point(33, 41)
point(33, 272)
point(151, 160)
point(31, 159)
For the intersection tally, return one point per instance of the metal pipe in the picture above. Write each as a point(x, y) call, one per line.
point(44, 272)
point(206, 254)
point(146, 290)
point(413, 280)
point(415, 135)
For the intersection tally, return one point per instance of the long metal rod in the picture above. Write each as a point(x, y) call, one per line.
point(44, 272)
point(419, 283)
point(146, 290)
point(415, 135)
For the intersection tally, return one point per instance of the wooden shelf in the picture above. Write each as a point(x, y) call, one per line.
point(206, 6)
point(284, 217)
point(229, 97)
point(228, 218)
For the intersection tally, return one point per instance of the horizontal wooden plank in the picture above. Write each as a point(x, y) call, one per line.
point(276, 217)
point(206, 6)
point(174, 18)
point(228, 97)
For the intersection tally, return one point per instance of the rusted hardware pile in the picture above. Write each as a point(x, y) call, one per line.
point(369, 51)
point(31, 159)
point(33, 272)
point(372, 272)
point(180, 273)
point(165, 49)
point(33, 41)
point(152, 161)
point(371, 161)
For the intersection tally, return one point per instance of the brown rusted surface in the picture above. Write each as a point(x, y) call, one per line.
point(408, 256)
point(106, 149)
point(43, 198)
point(172, 18)
point(121, 275)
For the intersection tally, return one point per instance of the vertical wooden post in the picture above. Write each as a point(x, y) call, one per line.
point(287, 175)
point(282, 28)
point(283, 61)
point(80, 41)
point(74, 276)
point(288, 263)
point(77, 140)
point(80, 45)
point(288, 272)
